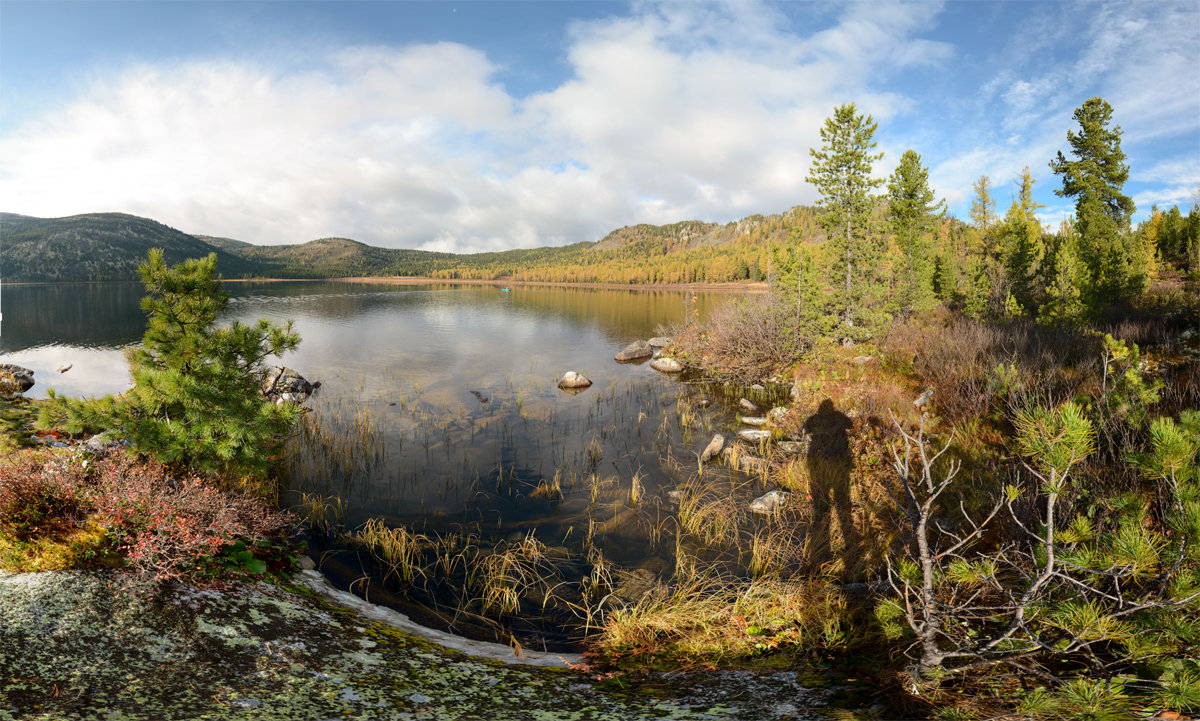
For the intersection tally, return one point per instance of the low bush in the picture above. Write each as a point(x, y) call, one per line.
point(60, 510)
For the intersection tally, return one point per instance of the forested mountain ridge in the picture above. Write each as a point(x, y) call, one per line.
point(110, 246)
point(98, 246)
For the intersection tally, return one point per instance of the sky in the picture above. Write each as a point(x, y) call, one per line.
point(479, 126)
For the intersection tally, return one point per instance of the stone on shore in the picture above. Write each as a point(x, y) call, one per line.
point(14, 378)
point(769, 503)
point(754, 435)
point(666, 365)
point(660, 341)
point(753, 420)
point(636, 350)
point(749, 406)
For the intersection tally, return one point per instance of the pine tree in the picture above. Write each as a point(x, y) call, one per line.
point(841, 173)
point(912, 210)
point(196, 399)
point(1023, 248)
point(1094, 178)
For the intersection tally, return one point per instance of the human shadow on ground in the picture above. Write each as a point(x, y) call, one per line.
point(829, 466)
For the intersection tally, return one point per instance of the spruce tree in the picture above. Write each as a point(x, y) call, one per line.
point(1022, 247)
point(1094, 177)
point(911, 211)
point(1065, 273)
point(841, 173)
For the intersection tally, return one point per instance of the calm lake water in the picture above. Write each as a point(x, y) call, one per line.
point(400, 432)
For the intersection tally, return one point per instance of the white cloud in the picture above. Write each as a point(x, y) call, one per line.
point(673, 111)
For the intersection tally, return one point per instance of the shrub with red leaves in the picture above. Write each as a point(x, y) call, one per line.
point(166, 527)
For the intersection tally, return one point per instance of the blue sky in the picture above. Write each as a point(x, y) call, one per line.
point(471, 126)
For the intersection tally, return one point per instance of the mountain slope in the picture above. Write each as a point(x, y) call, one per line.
point(110, 246)
point(98, 246)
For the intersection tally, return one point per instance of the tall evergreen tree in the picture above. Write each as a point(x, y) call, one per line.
point(1022, 247)
point(911, 212)
point(841, 173)
point(1094, 177)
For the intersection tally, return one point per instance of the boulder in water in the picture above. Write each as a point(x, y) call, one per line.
point(714, 447)
point(284, 385)
point(636, 350)
point(571, 379)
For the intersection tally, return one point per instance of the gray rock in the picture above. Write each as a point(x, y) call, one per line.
point(758, 388)
point(863, 359)
point(749, 406)
point(102, 443)
point(776, 414)
point(661, 341)
point(571, 379)
point(14, 378)
point(753, 420)
point(769, 503)
point(754, 435)
point(636, 350)
point(676, 496)
point(715, 446)
point(666, 365)
point(924, 398)
point(284, 385)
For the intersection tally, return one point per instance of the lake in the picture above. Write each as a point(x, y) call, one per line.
point(439, 409)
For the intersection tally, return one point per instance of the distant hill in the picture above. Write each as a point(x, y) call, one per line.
point(110, 246)
point(98, 246)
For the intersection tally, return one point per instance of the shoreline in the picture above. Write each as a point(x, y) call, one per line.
point(759, 287)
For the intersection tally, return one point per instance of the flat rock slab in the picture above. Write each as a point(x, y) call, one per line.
point(660, 341)
point(88, 646)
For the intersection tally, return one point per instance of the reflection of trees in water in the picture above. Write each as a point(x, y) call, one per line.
point(86, 314)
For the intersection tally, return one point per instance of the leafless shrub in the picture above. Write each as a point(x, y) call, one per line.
point(746, 339)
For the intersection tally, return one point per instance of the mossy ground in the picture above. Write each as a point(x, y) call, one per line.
point(84, 645)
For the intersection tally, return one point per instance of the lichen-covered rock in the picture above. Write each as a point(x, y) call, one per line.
point(636, 350)
point(660, 341)
point(89, 646)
